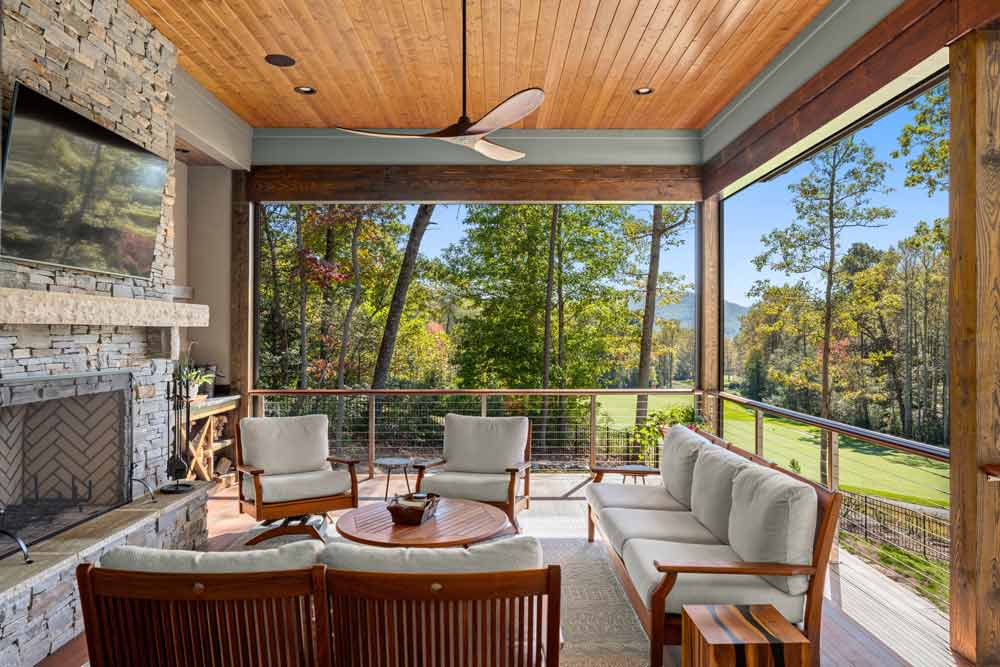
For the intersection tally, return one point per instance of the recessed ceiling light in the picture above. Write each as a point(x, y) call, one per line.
point(645, 90)
point(279, 60)
point(305, 90)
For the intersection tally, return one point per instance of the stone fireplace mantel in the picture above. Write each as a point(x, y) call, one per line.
point(23, 306)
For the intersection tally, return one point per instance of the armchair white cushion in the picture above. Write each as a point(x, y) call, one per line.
point(282, 445)
point(483, 444)
point(299, 486)
point(515, 553)
point(471, 486)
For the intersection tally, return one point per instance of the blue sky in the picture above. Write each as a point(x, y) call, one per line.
point(758, 209)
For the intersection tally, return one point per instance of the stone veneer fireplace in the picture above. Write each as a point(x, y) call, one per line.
point(65, 452)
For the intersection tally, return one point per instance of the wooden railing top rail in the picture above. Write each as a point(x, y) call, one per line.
point(470, 392)
point(874, 437)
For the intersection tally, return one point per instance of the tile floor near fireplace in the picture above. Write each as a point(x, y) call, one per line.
point(65, 452)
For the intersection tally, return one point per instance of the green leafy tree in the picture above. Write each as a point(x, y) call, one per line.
point(924, 141)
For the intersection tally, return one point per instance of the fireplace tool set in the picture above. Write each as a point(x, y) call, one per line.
point(179, 398)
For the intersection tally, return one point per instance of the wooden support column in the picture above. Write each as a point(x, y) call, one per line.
point(710, 305)
point(974, 324)
point(241, 293)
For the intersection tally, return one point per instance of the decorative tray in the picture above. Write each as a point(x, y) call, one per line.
point(413, 508)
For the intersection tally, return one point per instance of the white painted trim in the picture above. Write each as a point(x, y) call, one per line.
point(209, 125)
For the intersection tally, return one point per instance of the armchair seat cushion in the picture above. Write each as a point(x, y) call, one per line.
point(470, 486)
point(633, 496)
point(294, 556)
point(703, 588)
point(515, 553)
point(621, 525)
point(299, 486)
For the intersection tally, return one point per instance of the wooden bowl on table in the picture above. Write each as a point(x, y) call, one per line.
point(404, 512)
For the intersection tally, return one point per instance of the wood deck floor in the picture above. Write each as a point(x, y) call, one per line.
point(868, 619)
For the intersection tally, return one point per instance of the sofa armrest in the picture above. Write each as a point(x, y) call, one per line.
point(735, 567)
point(424, 465)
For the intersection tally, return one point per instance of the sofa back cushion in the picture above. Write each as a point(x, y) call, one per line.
point(484, 444)
point(522, 552)
point(712, 489)
point(681, 447)
point(773, 519)
point(283, 445)
point(294, 556)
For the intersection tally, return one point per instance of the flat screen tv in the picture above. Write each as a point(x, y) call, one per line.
point(76, 194)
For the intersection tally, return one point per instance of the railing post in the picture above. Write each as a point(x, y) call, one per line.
point(758, 434)
point(483, 399)
point(371, 436)
point(593, 429)
point(256, 406)
point(833, 478)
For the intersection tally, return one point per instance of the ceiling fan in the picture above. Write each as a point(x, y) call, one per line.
point(473, 135)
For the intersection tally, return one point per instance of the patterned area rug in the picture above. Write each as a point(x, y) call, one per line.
point(600, 629)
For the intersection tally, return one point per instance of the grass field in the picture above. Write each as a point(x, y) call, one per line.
point(864, 468)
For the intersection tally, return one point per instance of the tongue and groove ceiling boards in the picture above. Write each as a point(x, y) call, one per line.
point(397, 63)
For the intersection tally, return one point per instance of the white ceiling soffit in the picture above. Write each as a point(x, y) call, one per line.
point(208, 125)
point(840, 24)
point(589, 147)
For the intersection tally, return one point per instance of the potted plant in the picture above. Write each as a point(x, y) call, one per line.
point(193, 376)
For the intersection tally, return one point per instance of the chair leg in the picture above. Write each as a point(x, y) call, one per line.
point(590, 525)
point(512, 515)
point(288, 528)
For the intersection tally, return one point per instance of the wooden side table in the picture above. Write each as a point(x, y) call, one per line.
point(755, 635)
point(634, 470)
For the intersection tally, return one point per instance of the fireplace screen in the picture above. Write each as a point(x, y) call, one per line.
point(62, 460)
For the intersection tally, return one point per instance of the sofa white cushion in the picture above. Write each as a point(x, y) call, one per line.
point(634, 496)
point(468, 485)
point(703, 588)
point(712, 488)
point(620, 525)
point(484, 444)
point(515, 553)
point(299, 486)
point(294, 556)
point(681, 447)
point(282, 445)
point(773, 520)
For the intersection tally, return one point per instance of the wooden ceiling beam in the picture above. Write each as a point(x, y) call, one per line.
point(475, 183)
point(906, 37)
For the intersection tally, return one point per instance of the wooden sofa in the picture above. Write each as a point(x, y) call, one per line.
point(725, 526)
point(308, 603)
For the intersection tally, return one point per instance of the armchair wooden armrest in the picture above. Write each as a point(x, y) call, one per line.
point(249, 470)
point(424, 465)
point(519, 467)
point(735, 567)
point(345, 461)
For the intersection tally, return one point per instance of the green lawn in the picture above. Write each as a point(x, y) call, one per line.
point(864, 468)
point(618, 411)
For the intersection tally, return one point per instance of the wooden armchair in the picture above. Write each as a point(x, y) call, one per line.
point(486, 459)
point(284, 472)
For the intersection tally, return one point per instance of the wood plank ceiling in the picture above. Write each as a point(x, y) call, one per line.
point(397, 63)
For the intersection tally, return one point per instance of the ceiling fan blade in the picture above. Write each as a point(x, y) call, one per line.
point(508, 112)
point(496, 151)
point(383, 135)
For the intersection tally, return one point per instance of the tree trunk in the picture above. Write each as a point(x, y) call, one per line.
point(907, 416)
point(547, 325)
point(279, 326)
point(326, 318)
point(406, 269)
point(345, 327)
point(303, 294)
point(824, 400)
point(649, 315)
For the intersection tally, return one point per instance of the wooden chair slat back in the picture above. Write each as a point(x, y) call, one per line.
point(405, 620)
point(181, 620)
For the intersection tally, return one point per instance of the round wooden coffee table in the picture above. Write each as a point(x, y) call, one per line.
point(456, 523)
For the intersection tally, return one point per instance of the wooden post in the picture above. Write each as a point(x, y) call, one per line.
point(758, 433)
point(974, 342)
point(483, 399)
point(241, 292)
point(710, 315)
point(371, 435)
point(593, 429)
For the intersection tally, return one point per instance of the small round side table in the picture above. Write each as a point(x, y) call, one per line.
point(390, 462)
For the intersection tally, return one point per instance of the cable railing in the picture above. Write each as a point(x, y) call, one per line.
point(572, 429)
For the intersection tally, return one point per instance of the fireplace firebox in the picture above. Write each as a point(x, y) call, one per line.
point(65, 453)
